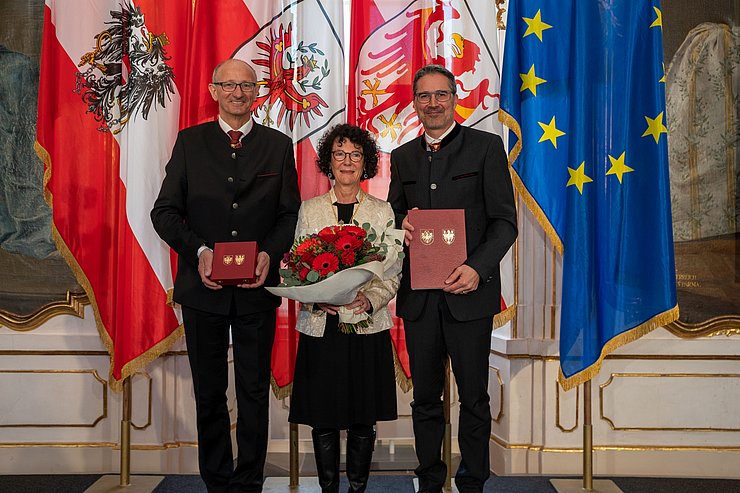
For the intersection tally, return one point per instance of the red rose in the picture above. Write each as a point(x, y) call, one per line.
point(328, 234)
point(348, 258)
point(355, 231)
point(325, 263)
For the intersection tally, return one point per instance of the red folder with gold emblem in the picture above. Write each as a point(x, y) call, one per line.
point(438, 246)
point(234, 262)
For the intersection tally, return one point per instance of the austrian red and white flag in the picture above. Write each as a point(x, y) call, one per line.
point(109, 102)
point(391, 39)
point(296, 49)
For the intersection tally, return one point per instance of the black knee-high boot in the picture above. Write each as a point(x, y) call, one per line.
point(326, 453)
point(359, 456)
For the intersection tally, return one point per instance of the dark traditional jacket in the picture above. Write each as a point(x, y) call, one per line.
point(214, 193)
point(469, 172)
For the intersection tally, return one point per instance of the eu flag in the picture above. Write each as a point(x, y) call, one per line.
point(583, 93)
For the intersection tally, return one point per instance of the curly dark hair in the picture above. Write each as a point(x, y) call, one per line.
point(357, 136)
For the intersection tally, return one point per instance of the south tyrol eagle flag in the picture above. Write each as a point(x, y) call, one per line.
point(109, 102)
point(390, 41)
point(583, 93)
point(296, 48)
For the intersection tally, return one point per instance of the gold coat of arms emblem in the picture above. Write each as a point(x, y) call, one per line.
point(448, 236)
point(427, 236)
point(228, 259)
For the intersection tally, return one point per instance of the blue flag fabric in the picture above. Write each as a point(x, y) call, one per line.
point(583, 92)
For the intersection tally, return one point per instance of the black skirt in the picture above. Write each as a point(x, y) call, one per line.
point(343, 379)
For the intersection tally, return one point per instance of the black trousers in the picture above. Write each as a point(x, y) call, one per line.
point(207, 337)
point(429, 340)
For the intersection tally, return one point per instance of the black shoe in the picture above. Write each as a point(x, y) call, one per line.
point(326, 453)
point(359, 456)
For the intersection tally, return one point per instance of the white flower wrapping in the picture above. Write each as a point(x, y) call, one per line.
point(341, 288)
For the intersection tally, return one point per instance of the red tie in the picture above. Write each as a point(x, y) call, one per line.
point(236, 136)
point(434, 147)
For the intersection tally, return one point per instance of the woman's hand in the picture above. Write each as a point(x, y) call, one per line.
point(330, 309)
point(360, 304)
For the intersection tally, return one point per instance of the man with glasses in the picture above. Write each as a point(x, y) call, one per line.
point(229, 180)
point(452, 167)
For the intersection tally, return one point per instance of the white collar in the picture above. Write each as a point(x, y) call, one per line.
point(432, 140)
point(244, 129)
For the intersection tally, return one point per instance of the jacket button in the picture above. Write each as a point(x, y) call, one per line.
point(233, 155)
point(234, 205)
point(234, 233)
point(230, 179)
point(433, 186)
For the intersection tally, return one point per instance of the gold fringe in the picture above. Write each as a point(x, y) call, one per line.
point(528, 199)
point(138, 363)
point(406, 383)
point(617, 341)
point(505, 316)
point(171, 297)
point(280, 392)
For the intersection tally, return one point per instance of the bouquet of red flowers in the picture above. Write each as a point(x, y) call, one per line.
point(318, 256)
point(332, 265)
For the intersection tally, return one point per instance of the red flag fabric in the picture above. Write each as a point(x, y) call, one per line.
point(109, 102)
point(296, 49)
point(391, 40)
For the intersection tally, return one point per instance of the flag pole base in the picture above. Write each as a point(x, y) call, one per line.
point(576, 486)
point(283, 485)
point(137, 484)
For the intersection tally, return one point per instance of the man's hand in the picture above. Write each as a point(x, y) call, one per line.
point(463, 280)
point(260, 271)
point(205, 264)
point(407, 230)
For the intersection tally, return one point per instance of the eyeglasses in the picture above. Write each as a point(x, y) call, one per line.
point(426, 97)
point(231, 86)
point(354, 156)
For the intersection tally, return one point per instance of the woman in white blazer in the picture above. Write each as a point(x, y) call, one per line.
point(345, 381)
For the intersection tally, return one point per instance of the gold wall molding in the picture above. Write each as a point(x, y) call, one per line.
point(661, 357)
point(104, 398)
point(73, 304)
point(557, 408)
point(612, 448)
point(724, 325)
point(500, 414)
point(614, 376)
point(110, 445)
point(149, 403)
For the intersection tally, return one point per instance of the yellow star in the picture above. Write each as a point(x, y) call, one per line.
point(618, 167)
point(535, 26)
point(655, 127)
point(530, 81)
point(662, 79)
point(578, 178)
point(658, 22)
point(549, 132)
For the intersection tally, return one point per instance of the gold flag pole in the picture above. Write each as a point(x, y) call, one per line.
point(575, 485)
point(447, 443)
point(293, 456)
point(141, 484)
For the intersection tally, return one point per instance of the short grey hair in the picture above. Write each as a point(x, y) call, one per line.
point(433, 68)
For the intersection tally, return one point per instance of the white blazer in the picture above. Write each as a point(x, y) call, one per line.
point(319, 212)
